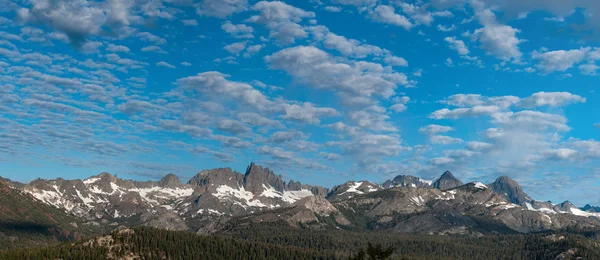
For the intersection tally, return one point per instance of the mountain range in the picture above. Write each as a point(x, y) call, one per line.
point(217, 200)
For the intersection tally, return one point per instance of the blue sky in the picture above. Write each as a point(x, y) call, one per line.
point(319, 91)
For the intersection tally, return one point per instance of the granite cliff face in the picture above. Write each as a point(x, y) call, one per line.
point(446, 181)
point(511, 190)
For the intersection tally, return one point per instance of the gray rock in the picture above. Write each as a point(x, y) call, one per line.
point(447, 181)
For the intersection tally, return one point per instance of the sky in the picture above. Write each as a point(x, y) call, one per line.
point(320, 91)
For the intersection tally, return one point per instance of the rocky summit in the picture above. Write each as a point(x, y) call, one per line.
point(214, 200)
point(446, 181)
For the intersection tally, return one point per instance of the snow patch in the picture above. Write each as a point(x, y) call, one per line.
point(480, 185)
point(354, 188)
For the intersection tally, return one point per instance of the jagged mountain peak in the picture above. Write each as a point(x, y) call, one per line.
point(511, 190)
point(257, 177)
point(447, 181)
point(171, 181)
point(406, 181)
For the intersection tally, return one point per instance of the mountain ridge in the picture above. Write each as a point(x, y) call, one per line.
point(213, 198)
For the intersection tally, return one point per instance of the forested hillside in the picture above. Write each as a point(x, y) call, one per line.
point(278, 242)
point(24, 221)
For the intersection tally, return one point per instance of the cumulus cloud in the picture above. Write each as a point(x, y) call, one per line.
point(235, 48)
point(282, 20)
point(318, 69)
point(386, 14)
point(457, 45)
point(238, 30)
point(434, 129)
point(164, 64)
point(442, 139)
point(220, 8)
point(559, 60)
point(464, 112)
point(307, 113)
point(553, 99)
point(534, 120)
point(79, 19)
point(497, 39)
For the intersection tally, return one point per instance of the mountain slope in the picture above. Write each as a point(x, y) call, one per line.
point(25, 221)
point(446, 181)
point(511, 190)
point(406, 181)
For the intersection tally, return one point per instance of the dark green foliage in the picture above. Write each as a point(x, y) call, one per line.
point(373, 253)
point(347, 243)
point(150, 243)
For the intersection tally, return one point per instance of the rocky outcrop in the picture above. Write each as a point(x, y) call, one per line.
point(406, 181)
point(351, 189)
point(511, 190)
point(446, 181)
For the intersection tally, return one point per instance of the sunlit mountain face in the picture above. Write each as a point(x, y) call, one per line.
point(340, 95)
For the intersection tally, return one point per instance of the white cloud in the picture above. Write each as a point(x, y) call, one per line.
point(78, 19)
point(258, 120)
point(559, 154)
point(318, 69)
point(190, 22)
point(331, 156)
point(148, 37)
point(164, 64)
point(395, 61)
point(442, 139)
point(235, 48)
point(232, 126)
point(333, 9)
point(307, 113)
point(216, 84)
point(553, 99)
point(372, 118)
point(441, 161)
point(533, 120)
point(221, 8)
point(464, 112)
point(479, 146)
point(559, 60)
point(153, 48)
point(497, 39)
point(588, 69)
point(457, 45)
point(238, 30)
point(286, 136)
point(117, 48)
point(386, 14)
point(434, 129)
point(469, 100)
point(282, 20)
point(446, 29)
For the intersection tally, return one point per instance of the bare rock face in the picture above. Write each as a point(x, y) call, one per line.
point(170, 181)
point(446, 181)
point(406, 181)
point(351, 189)
point(165, 219)
point(257, 176)
point(510, 189)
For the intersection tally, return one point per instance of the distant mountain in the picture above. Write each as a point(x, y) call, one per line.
point(590, 208)
point(446, 181)
point(511, 190)
point(406, 181)
point(351, 189)
point(218, 199)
